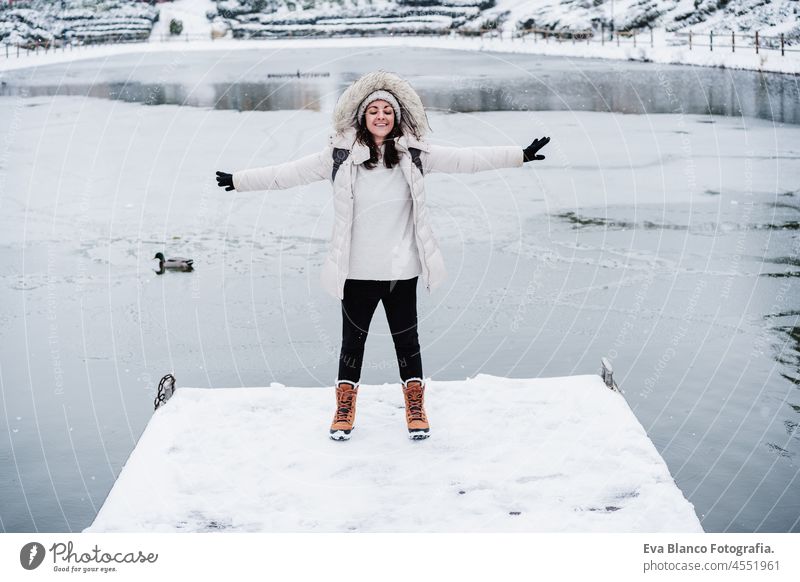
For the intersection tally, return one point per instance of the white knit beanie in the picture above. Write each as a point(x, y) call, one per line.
point(374, 96)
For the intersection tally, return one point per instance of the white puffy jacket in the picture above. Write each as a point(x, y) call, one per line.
point(319, 166)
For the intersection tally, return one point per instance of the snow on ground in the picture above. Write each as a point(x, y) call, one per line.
point(767, 61)
point(506, 455)
point(192, 13)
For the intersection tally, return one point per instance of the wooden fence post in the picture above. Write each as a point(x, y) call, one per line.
point(651, 38)
point(756, 42)
point(690, 40)
point(782, 53)
point(634, 39)
point(733, 42)
point(711, 41)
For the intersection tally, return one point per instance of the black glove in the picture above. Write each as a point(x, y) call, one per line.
point(224, 180)
point(529, 153)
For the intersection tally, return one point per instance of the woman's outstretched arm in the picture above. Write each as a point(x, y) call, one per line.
point(478, 159)
point(305, 170)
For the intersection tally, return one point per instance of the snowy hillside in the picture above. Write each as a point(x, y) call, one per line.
point(76, 21)
point(191, 13)
point(29, 21)
point(768, 16)
point(254, 18)
point(278, 18)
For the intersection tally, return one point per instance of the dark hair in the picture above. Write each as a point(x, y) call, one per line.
point(390, 155)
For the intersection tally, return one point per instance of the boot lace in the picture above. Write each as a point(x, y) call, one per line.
point(345, 405)
point(415, 401)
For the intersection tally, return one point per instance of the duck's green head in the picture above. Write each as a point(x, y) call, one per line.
point(159, 256)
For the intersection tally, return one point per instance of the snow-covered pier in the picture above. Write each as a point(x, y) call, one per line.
point(506, 455)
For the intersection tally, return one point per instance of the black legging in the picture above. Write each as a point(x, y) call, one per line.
point(399, 299)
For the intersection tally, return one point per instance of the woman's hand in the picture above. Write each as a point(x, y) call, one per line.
point(529, 153)
point(225, 181)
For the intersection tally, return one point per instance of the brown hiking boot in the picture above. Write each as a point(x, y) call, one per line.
point(346, 393)
point(414, 392)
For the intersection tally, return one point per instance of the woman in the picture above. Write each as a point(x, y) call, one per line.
point(382, 240)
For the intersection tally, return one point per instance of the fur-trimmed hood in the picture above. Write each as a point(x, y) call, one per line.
point(413, 119)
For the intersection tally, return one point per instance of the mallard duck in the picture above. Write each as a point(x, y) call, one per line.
point(175, 264)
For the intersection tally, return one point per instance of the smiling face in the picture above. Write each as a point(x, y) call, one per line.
point(379, 119)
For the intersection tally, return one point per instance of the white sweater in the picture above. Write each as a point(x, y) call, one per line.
point(383, 246)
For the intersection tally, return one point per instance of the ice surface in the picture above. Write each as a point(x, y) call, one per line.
point(152, 173)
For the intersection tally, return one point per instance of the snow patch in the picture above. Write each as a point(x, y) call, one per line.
point(549, 454)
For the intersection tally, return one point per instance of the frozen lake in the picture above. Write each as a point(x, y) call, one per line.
point(655, 233)
point(256, 80)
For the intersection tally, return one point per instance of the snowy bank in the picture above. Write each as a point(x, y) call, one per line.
point(661, 52)
point(506, 455)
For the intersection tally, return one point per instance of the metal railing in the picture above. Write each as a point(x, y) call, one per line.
point(731, 41)
point(643, 37)
point(588, 36)
point(59, 45)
